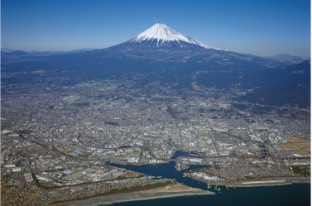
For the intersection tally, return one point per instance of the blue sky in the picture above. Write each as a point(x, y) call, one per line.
point(262, 27)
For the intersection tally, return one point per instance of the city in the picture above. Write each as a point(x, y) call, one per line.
point(58, 133)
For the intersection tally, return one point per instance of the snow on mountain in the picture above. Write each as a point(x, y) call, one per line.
point(162, 33)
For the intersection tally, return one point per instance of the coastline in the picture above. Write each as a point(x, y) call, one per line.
point(175, 190)
point(279, 181)
point(269, 181)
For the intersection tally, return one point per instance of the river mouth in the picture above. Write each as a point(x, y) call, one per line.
point(165, 170)
point(168, 170)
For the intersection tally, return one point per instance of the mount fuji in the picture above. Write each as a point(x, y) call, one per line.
point(162, 43)
point(161, 35)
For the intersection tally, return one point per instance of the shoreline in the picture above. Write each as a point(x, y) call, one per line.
point(272, 181)
point(278, 181)
point(175, 190)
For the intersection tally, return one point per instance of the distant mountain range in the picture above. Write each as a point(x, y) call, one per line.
point(280, 80)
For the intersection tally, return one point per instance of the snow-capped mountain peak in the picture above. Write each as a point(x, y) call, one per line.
point(162, 33)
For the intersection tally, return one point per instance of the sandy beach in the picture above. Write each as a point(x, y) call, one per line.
point(174, 190)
